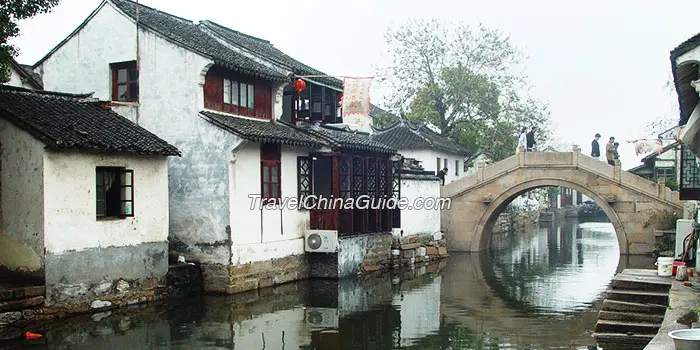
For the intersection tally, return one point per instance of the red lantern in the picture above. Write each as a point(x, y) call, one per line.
point(299, 85)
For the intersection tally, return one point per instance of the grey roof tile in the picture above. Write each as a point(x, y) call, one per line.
point(263, 130)
point(76, 121)
point(186, 33)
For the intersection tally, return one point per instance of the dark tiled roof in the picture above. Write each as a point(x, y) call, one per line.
point(186, 33)
point(32, 75)
point(266, 50)
point(27, 73)
point(682, 76)
point(75, 121)
point(685, 46)
point(402, 135)
point(263, 130)
point(347, 139)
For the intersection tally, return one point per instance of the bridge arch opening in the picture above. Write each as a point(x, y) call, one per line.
point(498, 205)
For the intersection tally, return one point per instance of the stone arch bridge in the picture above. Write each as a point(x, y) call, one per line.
point(628, 200)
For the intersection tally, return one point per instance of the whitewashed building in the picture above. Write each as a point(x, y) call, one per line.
point(226, 100)
point(434, 151)
point(83, 206)
point(22, 76)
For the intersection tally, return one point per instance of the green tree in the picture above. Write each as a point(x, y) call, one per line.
point(464, 81)
point(12, 11)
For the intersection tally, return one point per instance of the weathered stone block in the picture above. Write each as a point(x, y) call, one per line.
point(20, 304)
point(10, 317)
point(442, 251)
point(408, 254)
point(430, 251)
point(242, 286)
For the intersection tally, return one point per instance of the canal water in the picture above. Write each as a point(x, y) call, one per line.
point(539, 288)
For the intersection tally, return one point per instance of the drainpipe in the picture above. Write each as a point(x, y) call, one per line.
point(138, 60)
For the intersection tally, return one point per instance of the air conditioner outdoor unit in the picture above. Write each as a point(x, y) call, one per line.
point(321, 241)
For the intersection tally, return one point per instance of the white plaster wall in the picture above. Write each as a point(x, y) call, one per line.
point(171, 95)
point(415, 221)
point(21, 201)
point(263, 234)
point(16, 80)
point(70, 205)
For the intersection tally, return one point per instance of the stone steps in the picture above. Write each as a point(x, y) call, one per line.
point(637, 282)
point(639, 296)
point(626, 306)
point(620, 340)
point(634, 309)
point(629, 316)
point(627, 327)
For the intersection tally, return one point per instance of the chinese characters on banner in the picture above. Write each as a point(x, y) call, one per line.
point(356, 96)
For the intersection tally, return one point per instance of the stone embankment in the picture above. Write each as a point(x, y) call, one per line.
point(414, 250)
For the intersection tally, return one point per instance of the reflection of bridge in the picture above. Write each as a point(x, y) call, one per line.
point(627, 199)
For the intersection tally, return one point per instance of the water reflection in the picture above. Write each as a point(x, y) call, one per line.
point(535, 289)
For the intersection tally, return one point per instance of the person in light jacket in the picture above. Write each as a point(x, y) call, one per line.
point(522, 141)
point(610, 151)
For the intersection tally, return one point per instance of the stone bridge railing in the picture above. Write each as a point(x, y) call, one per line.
point(627, 199)
point(558, 161)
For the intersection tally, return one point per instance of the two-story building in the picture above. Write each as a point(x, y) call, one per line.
point(434, 151)
point(227, 101)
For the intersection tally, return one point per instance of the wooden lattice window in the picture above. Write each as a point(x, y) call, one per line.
point(358, 180)
point(114, 192)
point(303, 177)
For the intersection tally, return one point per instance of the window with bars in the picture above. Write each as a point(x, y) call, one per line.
point(456, 167)
point(270, 172)
point(114, 192)
point(304, 179)
point(125, 81)
point(665, 172)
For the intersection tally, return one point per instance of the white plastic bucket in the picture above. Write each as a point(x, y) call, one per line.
point(664, 266)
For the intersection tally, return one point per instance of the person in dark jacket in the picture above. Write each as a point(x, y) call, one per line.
point(595, 147)
point(531, 144)
point(441, 174)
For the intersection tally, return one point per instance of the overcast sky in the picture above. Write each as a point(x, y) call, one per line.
point(601, 65)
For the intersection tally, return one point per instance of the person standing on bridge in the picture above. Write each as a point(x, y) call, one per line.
point(522, 141)
point(531, 144)
point(610, 151)
point(595, 147)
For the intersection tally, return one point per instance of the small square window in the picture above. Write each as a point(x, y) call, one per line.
point(114, 192)
point(125, 81)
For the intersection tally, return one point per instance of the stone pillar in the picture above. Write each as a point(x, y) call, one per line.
point(662, 188)
point(618, 171)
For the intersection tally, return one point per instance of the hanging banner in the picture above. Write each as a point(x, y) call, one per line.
point(647, 146)
point(356, 96)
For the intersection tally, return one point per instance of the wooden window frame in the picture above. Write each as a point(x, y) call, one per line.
point(101, 204)
point(115, 68)
point(249, 106)
point(270, 158)
point(304, 191)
